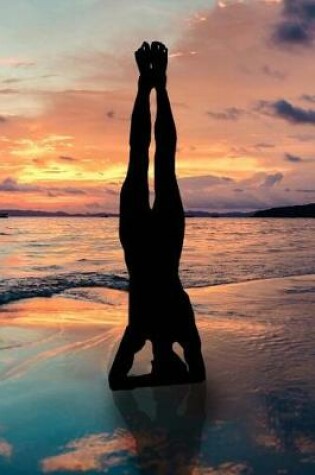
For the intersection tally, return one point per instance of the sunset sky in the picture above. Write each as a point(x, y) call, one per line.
point(241, 82)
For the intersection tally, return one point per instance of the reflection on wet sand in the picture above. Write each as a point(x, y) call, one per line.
point(71, 309)
point(288, 423)
point(177, 431)
point(169, 440)
point(166, 440)
point(6, 449)
point(92, 452)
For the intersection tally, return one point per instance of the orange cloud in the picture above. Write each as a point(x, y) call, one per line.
point(16, 62)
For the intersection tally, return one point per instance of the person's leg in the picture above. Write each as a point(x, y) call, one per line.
point(134, 196)
point(134, 211)
point(170, 225)
point(168, 207)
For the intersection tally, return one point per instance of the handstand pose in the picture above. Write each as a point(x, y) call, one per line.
point(152, 239)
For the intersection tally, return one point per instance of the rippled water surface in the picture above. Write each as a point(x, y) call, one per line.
point(52, 254)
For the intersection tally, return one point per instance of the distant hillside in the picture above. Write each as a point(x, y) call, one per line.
point(61, 214)
point(302, 211)
point(299, 211)
point(53, 214)
point(209, 214)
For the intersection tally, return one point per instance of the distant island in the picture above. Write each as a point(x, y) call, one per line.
point(298, 211)
point(212, 214)
point(25, 213)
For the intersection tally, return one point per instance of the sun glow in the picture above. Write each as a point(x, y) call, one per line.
point(30, 148)
point(65, 115)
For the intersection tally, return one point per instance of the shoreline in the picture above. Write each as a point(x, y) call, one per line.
point(48, 293)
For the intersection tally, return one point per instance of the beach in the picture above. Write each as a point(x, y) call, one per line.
point(166, 149)
point(254, 414)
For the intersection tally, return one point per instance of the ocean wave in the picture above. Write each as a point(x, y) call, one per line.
point(14, 289)
point(24, 288)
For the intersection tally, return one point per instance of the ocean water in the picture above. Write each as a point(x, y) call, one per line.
point(45, 256)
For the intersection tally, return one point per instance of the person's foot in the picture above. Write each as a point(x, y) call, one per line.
point(143, 60)
point(159, 58)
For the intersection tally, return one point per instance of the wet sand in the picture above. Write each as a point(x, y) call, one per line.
point(255, 413)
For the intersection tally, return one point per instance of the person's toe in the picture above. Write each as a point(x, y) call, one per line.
point(159, 46)
point(155, 46)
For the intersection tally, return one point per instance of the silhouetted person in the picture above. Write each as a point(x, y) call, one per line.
point(152, 239)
